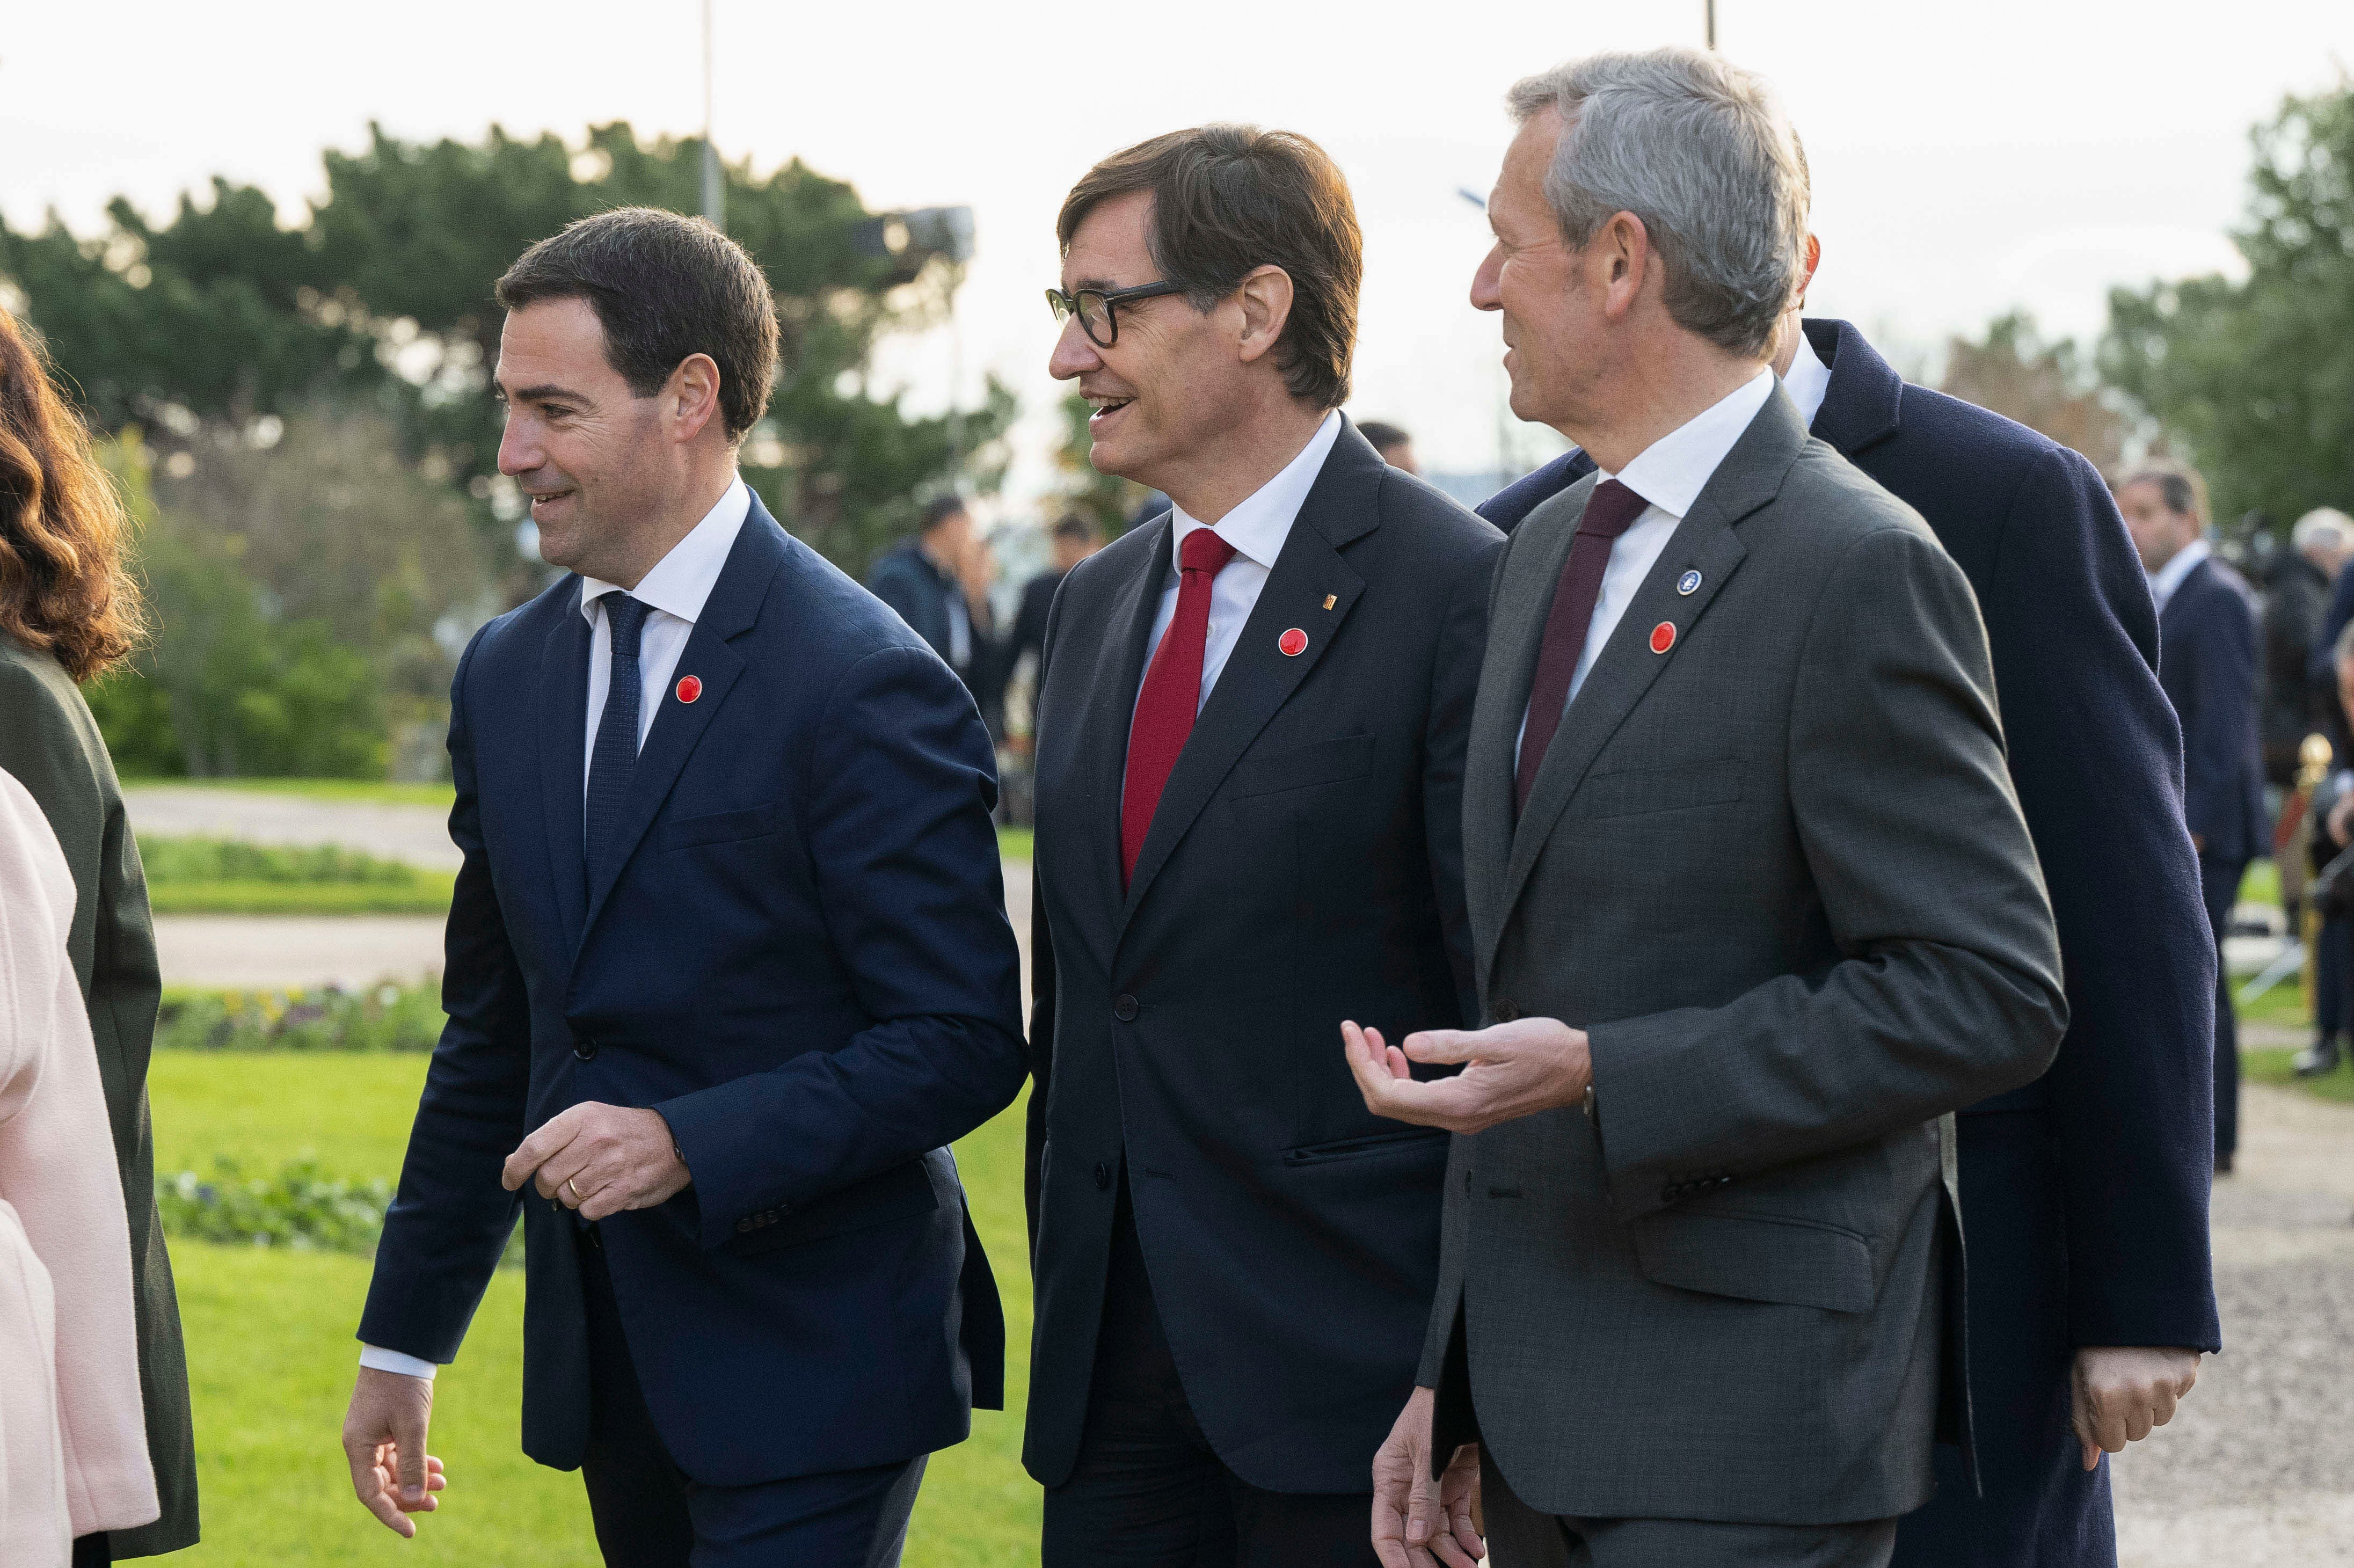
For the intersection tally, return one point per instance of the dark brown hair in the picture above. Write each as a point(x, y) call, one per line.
point(663, 287)
point(63, 588)
point(1229, 199)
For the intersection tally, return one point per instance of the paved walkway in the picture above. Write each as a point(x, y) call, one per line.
point(417, 834)
point(2257, 1469)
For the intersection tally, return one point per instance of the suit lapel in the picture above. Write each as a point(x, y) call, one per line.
point(563, 760)
point(1260, 677)
point(1749, 478)
point(1103, 743)
point(732, 610)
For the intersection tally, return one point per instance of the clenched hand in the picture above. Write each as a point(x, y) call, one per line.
point(2123, 1393)
point(600, 1159)
point(1411, 1529)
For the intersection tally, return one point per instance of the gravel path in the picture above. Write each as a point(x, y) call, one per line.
point(2258, 1467)
point(417, 834)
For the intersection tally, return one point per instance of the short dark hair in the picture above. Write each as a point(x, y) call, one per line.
point(939, 510)
point(1078, 530)
point(663, 287)
point(1229, 199)
point(1383, 437)
point(2178, 485)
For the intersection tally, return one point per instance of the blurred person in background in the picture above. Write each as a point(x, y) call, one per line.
point(2207, 664)
point(2300, 700)
point(928, 580)
point(2330, 830)
point(73, 1437)
point(2091, 1292)
point(1394, 445)
point(1075, 538)
point(986, 675)
point(68, 612)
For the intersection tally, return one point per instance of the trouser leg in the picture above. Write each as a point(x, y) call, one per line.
point(637, 1497)
point(1520, 1536)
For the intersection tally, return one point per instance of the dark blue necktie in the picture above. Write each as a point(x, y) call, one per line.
point(615, 756)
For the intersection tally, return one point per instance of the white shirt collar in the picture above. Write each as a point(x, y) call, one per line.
point(1259, 526)
point(2167, 577)
point(1808, 380)
point(682, 581)
point(1671, 471)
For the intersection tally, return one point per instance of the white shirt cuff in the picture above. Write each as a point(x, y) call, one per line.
point(394, 1361)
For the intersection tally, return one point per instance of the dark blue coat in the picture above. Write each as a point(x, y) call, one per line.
point(2085, 1194)
point(802, 961)
point(2207, 663)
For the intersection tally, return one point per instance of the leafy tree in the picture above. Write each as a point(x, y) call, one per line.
point(2257, 378)
point(2046, 387)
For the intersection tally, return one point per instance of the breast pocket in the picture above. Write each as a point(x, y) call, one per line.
point(1679, 786)
point(1334, 762)
point(720, 827)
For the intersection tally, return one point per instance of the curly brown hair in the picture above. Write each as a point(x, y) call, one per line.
point(63, 586)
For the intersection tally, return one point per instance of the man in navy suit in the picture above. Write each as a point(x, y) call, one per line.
point(2084, 1195)
point(728, 967)
point(1249, 771)
point(2208, 664)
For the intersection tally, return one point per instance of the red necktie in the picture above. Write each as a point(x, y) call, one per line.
point(1608, 510)
point(1171, 695)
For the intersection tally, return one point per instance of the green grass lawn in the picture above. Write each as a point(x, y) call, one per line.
point(372, 791)
point(271, 1351)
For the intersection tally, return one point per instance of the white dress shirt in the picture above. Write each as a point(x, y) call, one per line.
point(675, 592)
point(1808, 381)
point(2167, 577)
point(1257, 529)
point(1670, 474)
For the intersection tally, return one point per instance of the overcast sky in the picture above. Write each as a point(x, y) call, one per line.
point(1966, 158)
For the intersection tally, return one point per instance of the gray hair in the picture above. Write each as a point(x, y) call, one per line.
point(1700, 151)
point(2326, 527)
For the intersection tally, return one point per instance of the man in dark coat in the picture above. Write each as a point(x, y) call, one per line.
point(923, 579)
point(2085, 1194)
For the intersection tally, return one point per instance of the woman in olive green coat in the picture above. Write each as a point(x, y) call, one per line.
point(67, 612)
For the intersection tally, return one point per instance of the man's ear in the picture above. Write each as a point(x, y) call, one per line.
point(1265, 296)
point(1621, 255)
point(690, 399)
point(1814, 259)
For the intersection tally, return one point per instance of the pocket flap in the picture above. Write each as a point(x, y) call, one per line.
point(1320, 762)
point(1756, 1257)
point(719, 827)
point(1632, 791)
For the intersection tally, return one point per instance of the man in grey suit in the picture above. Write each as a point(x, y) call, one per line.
point(1752, 903)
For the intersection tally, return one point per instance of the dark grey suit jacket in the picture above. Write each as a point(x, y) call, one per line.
point(1778, 873)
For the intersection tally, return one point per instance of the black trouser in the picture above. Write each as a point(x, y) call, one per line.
point(648, 1514)
point(2219, 879)
point(1149, 1491)
point(92, 1550)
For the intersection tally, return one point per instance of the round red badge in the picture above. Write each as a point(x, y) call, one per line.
point(689, 688)
point(1664, 637)
point(1293, 642)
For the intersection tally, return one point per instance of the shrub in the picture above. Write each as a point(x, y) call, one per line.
point(225, 859)
point(301, 1208)
point(386, 1018)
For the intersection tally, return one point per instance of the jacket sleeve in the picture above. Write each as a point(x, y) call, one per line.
point(1948, 990)
point(2097, 755)
point(894, 799)
point(451, 1217)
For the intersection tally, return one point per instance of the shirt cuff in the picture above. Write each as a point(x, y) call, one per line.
point(394, 1361)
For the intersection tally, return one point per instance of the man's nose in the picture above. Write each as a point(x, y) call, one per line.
point(519, 454)
point(1075, 353)
point(1487, 283)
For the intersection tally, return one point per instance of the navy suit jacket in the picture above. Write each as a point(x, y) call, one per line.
point(2096, 758)
point(2207, 661)
point(801, 961)
point(1305, 865)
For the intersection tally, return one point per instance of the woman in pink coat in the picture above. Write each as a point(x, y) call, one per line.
point(74, 1442)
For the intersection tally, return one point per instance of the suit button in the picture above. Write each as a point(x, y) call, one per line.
point(743, 1228)
point(585, 1048)
point(1123, 1008)
point(1506, 1010)
point(1102, 1175)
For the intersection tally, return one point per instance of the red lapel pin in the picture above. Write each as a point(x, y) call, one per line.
point(689, 688)
point(1664, 637)
point(1293, 642)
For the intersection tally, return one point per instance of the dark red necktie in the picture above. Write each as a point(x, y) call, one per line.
point(1171, 695)
point(1608, 512)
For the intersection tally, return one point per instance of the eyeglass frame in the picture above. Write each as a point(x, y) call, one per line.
point(1066, 306)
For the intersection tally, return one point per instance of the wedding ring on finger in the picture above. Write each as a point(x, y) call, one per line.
point(576, 1199)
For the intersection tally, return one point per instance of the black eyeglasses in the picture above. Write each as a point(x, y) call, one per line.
point(1097, 309)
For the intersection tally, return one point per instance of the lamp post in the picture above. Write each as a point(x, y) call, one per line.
point(715, 186)
point(1710, 22)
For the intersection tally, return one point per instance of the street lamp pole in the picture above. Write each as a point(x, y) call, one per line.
point(715, 187)
point(1711, 22)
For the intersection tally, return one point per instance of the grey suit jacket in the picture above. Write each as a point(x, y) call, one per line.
point(1778, 871)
